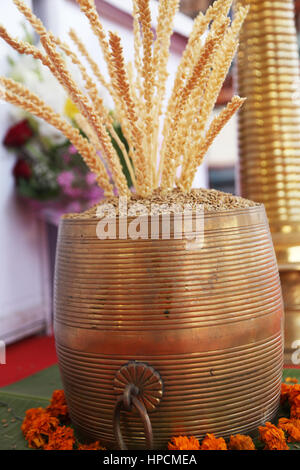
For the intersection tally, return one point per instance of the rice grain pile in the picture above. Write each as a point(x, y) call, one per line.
point(159, 202)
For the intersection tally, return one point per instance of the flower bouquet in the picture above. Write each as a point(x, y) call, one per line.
point(49, 172)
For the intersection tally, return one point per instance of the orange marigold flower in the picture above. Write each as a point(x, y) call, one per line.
point(240, 442)
point(291, 427)
point(61, 439)
point(30, 416)
point(272, 437)
point(294, 391)
point(294, 395)
point(36, 440)
point(294, 400)
point(37, 426)
point(295, 412)
point(285, 391)
point(58, 406)
point(210, 442)
point(94, 446)
point(291, 380)
point(184, 443)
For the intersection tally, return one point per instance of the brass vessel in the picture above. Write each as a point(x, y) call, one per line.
point(269, 123)
point(269, 131)
point(290, 281)
point(195, 333)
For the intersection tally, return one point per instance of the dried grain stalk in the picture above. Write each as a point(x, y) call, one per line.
point(138, 91)
point(19, 95)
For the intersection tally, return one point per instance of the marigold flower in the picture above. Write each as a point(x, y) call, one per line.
point(210, 442)
point(184, 443)
point(37, 427)
point(61, 439)
point(58, 406)
point(241, 442)
point(94, 446)
point(272, 437)
point(294, 395)
point(285, 391)
point(35, 439)
point(291, 380)
point(295, 412)
point(30, 416)
point(294, 401)
point(291, 427)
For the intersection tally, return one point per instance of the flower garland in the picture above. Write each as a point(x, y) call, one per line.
point(50, 428)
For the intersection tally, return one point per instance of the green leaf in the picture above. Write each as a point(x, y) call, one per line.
point(118, 130)
point(15, 399)
point(12, 412)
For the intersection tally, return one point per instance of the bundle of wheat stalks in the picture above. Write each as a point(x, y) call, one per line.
point(138, 90)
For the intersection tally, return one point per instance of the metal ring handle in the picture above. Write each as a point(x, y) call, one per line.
point(130, 390)
point(144, 416)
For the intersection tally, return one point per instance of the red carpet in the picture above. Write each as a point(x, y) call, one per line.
point(26, 358)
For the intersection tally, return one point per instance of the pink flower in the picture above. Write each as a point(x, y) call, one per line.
point(74, 207)
point(73, 150)
point(96, 193)
point(72, 192)
point(65, 179)
point(90, 178)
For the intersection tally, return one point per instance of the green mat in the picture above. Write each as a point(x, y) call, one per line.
point(36, 391)
point(15, 399)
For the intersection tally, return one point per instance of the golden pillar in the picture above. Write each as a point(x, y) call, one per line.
point(269, 138)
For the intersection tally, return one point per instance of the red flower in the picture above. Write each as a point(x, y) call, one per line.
point(18, 134)
point(22, 170)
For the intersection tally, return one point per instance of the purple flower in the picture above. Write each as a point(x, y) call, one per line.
point(90, 178)
point(95, 193)
point(72, 192)
point(74, 207)
point(73, 150)
point(65, 179)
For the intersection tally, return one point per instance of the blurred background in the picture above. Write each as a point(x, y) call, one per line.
point(38, 182)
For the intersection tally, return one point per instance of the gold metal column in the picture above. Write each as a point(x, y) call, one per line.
point(269, 136)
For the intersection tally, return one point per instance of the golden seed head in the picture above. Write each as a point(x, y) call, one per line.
point(157, 150)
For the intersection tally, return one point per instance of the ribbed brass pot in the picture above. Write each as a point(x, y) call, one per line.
point(269, 123)
point(290, 281)
point(208, 320)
